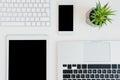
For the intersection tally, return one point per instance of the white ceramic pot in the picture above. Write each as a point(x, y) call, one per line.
point(88, 18)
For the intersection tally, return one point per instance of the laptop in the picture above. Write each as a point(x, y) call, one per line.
point(27, 57)
point(88, 60)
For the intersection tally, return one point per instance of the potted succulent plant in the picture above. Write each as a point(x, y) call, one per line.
point(99, 15)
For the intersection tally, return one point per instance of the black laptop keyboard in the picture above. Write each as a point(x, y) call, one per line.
point(91, 71)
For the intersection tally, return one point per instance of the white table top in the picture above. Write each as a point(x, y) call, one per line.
point(82, 31)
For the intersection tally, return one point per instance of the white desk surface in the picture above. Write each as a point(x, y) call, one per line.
point(82, 31)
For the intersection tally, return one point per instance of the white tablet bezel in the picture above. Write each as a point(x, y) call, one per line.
point(25, 37)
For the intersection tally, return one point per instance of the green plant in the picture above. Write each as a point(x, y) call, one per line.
point(100, 15)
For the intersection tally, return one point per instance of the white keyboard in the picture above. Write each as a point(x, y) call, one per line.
point(24, 13)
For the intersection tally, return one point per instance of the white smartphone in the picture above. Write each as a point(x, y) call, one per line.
point(65, 17)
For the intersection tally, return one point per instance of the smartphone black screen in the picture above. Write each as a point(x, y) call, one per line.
point(27, 60)
point(65, 17)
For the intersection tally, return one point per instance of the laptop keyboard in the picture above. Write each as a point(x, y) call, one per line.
point(91, 71)
point(25, 12)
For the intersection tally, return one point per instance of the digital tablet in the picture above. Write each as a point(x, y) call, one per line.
point(27, 57)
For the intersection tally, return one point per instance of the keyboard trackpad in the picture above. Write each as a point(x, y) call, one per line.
point(97, 52)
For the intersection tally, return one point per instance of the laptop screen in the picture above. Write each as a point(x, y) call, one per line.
point(27, 59)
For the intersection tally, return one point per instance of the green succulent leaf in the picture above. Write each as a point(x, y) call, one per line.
point(93, 16)
point(99, 15)
point(96, 22)
point(110, 20)
point(106, 5)
point(105, 22)
point(93, 20)
point(98, 6)
point(101, 23)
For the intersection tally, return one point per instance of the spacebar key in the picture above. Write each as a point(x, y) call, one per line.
point(12, 24)
point(99, 66)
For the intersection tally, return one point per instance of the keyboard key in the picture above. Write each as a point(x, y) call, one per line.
point(69, 79)
point(103, 71)
point(116, 76)
point(74, 65)
point(99, 71)
point(72, 76)
point(77, 76)
point(111, 76)
point(67, 71)
point(106, 76)
point(66, 76)
point(87, 76)
point(82, 76)
point(97, 76)
point(33, 24)
point(28, 23)
point(75, 71)
point(89, 71)
point(64, 79)
point(79, 71)
point(92, 75)
point(78, 79)
point(13, 23)
point(119, 66)
point(78, 66)
point(69, 66)
point(114, 65)
point(113, 71)
point(101, 76)
point(99, 66)
point(74, 79)
point(108, 71)
point(118, 71)
point(94, 71)
point(84, 66)
point(84, 71)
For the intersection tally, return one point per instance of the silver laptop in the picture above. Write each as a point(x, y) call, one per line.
point(88, 60)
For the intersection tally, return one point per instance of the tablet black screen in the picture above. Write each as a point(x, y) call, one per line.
point(27, 60)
